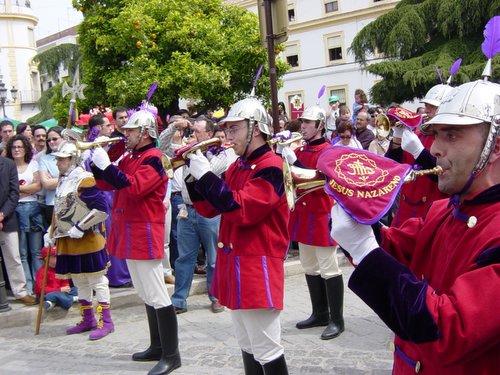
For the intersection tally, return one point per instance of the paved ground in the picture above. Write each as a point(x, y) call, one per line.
point(207, 343)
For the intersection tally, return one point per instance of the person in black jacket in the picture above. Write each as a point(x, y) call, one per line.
point(9, 195)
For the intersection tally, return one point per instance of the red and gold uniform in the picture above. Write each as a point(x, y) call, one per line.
point(435, 290)
point(253, 236)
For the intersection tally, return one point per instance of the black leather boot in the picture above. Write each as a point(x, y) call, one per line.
point(319, 302)
point(167, 328)
point(250, 365)
point(335, 293)
point(276, 367)
point(153, 353)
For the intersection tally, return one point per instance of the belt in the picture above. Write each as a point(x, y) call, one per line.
point(175, 194)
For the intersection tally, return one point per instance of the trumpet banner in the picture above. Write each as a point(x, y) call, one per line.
point(363, 183)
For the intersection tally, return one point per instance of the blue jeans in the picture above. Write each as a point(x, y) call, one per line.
point(29, 215)
point(175, 201)
point(65, 300)
point(191, 232)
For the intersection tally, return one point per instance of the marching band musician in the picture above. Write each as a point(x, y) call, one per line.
point(309, 225)
point(78, 227)
point(253, 237)
point(137, 231)
point(434, 280)
point(412, 148)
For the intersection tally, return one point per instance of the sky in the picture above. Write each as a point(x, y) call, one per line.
point(54, 16)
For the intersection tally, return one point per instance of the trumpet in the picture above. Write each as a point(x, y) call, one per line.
point(181, 155)
point(384, 125)
point(295, 137)
point(301, 181)
point(82, 146)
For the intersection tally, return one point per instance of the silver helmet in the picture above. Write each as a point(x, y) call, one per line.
point(314, 113)
point(250, 109)
point(145, 120)
point(436, 94)
point(68, 149)
point(469, 104)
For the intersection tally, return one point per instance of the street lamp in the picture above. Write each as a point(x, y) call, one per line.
point(3, 95)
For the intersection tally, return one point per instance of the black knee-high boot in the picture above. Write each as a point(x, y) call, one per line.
point(250, 365)
point(319, 302)
point(153, 353)
point(335, 293)
point(276, 367)
point(167, 328)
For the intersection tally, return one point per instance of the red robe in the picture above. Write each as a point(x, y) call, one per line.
point(310, 221)
point(138, 215)
point(253, 235)
point(439, 288)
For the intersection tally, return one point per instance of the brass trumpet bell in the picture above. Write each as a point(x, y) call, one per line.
point(383, 127)
point(82, 146)
point(299, 182)
point(181, 155)
point(295, 137)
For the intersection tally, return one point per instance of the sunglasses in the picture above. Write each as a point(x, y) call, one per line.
point(53, 139)
point(345, 137)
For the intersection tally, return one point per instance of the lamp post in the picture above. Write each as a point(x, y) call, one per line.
point(3, 95)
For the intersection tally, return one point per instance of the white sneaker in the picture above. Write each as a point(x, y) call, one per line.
point(47, 305)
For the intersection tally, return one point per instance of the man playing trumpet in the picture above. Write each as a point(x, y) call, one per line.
point(253, 237)
point(309, 225)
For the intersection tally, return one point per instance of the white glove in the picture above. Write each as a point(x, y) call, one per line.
point(101, 158)
point(286, 134)
point(357, 239)
point(411, 143)
point(289, 155)
point(397, 131)
point(198, 164)
point(47, 240)
point(74, 232)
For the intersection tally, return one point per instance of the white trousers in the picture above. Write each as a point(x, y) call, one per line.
point(9, 242)
point(86, 283)
point(147, 277)
point(258, 332)
point(319, 260)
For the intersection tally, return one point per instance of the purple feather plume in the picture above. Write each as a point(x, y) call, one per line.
point(151, 91)
point(439, 74)
point(321, 91)
point(456, 65)
point(491, 44)
point(257, 75)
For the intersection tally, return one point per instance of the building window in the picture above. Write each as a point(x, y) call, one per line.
point(334, 46)
point(341, 93)
point(31, 37)
point(292, 55)
point(331, 6)
point(291, 15)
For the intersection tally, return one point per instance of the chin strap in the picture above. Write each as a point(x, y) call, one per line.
point(455, 202)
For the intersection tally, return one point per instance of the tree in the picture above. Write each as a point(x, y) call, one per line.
point(50, 61)
point(204, 50)
point(417, 36)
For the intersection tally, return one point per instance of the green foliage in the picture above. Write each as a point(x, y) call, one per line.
point(417, 36)
point(49, 61)
point(45, 105)
point(204, 50)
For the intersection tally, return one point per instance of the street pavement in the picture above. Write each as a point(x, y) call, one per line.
point(207, 343)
